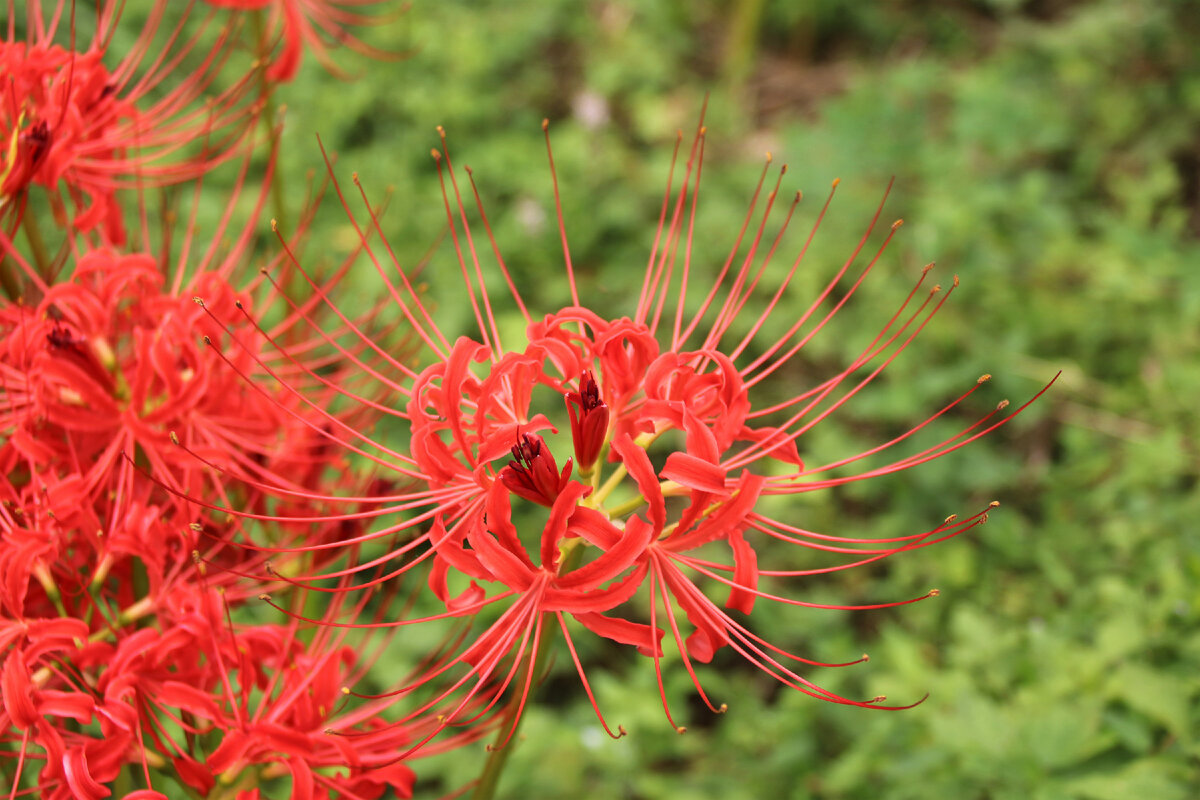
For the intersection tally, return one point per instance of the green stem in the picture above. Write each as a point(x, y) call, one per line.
point(489, 778)
point(8, 279)
point(37, 245)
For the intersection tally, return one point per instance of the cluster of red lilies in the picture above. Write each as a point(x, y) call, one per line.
point(208, 551)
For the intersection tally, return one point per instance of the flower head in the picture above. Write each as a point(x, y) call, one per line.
point(663, 536)
point(81, 128)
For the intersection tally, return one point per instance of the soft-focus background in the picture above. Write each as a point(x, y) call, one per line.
point(1046, 151)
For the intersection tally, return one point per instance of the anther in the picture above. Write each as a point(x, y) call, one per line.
point(174, 439)
point(994, 504)
point(723, 708)
point(950, 519)
point(237, 304)
point(197, 527)
point(206, 340)
point(836, 181)
point(934, 592)
point(984, 378)
point(546, 124)
point(897, 224)
point(865, 658)
point(956, 280)
point(1003, 404)
point(346, 690)
point(265, 597)
point(681, 730)
point(198, 301)
point(274, 229)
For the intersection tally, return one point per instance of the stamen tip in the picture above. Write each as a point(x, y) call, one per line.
point(1003, 404)
point(984, 378)
point(897, 224)
point(206, 340)
point(437, 156)
point(682, 729)
point(346, 690)
point(266, 598)
point(835, 183)
point(723, 708)
point(865, 658)
point(238, 305)
point(274, 229)
point(956, 280)
point(994, 504)
point(934, 592)
point(546, 124)
point(198, 301)
point(173, 437)
point(950, 519)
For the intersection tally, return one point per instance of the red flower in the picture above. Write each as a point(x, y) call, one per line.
point(81, 129)
point(697, 439)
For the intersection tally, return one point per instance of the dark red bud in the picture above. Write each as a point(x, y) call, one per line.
point(534, 474)
point(589, 420)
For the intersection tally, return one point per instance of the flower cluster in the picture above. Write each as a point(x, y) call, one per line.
point(131, 381)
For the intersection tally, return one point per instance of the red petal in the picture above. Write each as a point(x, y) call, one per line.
point(745, 573)
point(695, 473)
point(82, 784)
point(638, 464)
point(624, 632)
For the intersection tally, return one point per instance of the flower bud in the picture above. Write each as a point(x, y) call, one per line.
point(534, 474)
point(589, 420)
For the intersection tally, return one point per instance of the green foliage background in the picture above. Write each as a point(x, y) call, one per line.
point(1046, 151)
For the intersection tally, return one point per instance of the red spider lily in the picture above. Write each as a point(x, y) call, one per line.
point(255, 703)
point(81, 128)
point(630, 546)
point(311, 25)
